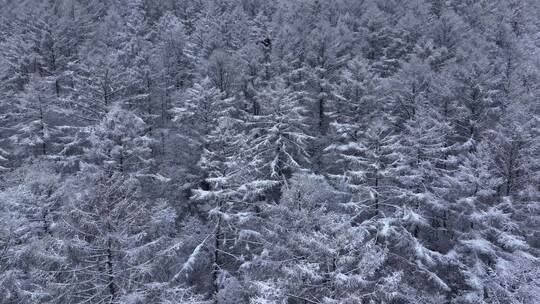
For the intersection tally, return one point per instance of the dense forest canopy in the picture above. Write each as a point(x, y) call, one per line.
point(269, 152)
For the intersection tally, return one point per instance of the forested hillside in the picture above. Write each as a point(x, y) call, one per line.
point(269, 152)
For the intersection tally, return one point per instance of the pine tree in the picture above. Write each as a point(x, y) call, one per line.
point(277, 143)
point(32, 115)
point(229, 215)
point(32, 254)
point(423, 160)
point(351, 113)
point(213, 126)
point(115, 247)
point(369, 164)
point(410, 88)
point(199, 111)
point(476, 106)
point(19, 58)
point(96, 86)
point(314, 252)
point(222, 70)
point(97, 78)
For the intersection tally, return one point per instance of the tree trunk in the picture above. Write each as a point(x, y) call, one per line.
point(42, 130)
point(110, 275)
point(322, 121)
point(217, 261)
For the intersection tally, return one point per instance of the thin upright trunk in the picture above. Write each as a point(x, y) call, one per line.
point(513, 158)
point(57, 87)
point(104, 84)
point(45, 213)
point(509, 178)
point(217, 261)
point(42, 130)
point(109, 256)
point(322, 122)
point(110, 271)
point(376, 190)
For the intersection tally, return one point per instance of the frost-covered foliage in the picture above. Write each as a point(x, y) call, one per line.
point(250, 151)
